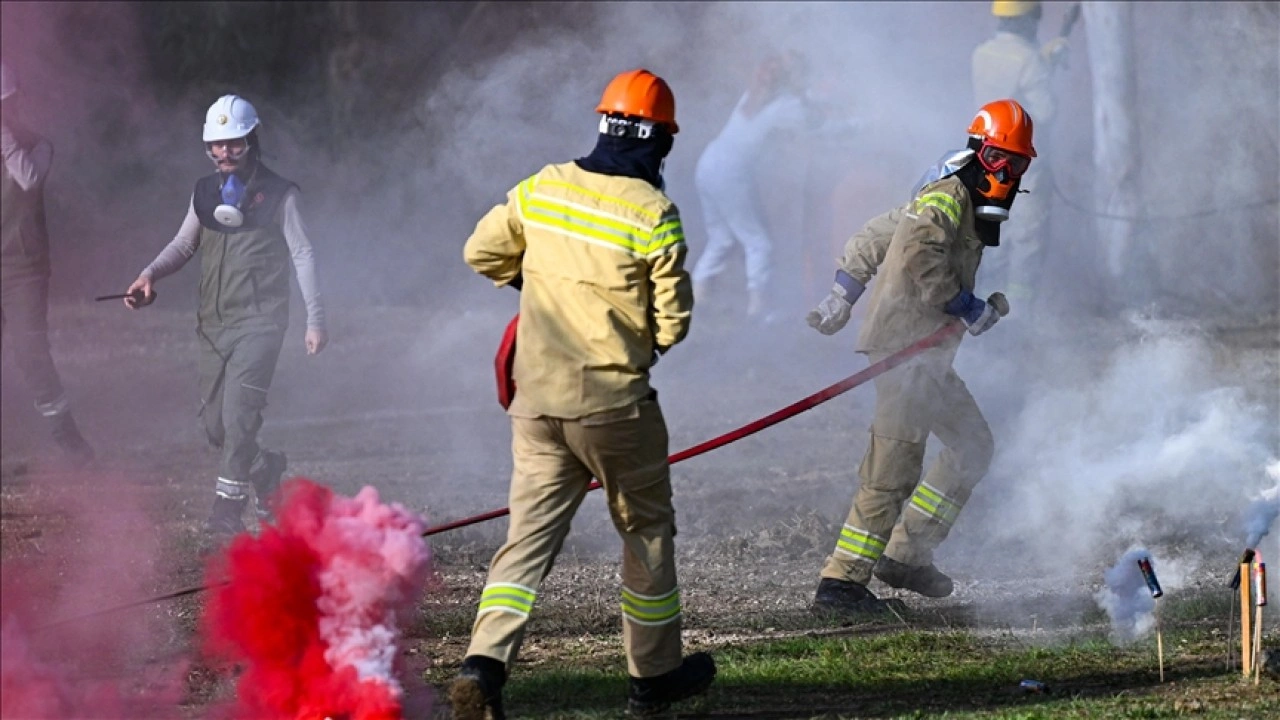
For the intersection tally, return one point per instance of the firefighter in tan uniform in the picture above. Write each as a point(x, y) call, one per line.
point(1012, 64)
point(597, 250)
point(926, 256)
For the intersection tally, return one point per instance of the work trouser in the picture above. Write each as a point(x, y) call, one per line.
point(554, 461)
point(236, 367)
point(1016, 267)
point(24, 316)
point(732, 214)
point(913, 400)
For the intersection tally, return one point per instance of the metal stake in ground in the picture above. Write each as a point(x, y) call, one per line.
point(1153, 585)
point(1260, 600)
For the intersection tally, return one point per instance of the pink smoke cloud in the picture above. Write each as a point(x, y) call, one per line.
point(312, 606)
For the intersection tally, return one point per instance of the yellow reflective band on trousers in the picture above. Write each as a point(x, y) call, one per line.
point(648, 610)
point(860, 544)
point(595, 226)
point(943, 202)
point(929, 501)
point(507, 598)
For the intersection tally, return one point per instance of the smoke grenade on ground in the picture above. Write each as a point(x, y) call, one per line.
point(311, 606)
point(1126, 597)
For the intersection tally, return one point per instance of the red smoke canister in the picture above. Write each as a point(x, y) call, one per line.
point(1149, 575)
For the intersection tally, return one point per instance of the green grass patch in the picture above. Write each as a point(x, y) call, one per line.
point(922, 674)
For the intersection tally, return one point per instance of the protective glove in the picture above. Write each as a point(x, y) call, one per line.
point(1056, 52)
point(978, 316)
point(833, 312)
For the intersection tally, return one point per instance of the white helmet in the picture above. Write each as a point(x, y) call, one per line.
point(8, 81)
point(230, 117)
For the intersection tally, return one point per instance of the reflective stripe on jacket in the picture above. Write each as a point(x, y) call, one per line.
point(933, 254)
point(602, 259)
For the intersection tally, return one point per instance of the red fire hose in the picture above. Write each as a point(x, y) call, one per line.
point(790, 411)
point(770, 420)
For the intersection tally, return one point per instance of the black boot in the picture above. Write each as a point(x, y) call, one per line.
point(476, 694)
point(225, 521)
point(924, 579)
point(651, 696)
point(70, 442)
point(843, 597)
point(266, 482)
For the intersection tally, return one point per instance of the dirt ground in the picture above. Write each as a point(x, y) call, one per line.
point(403, 400)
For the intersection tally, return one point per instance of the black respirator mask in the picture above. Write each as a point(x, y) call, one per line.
point(994, 179)
point(988, 213)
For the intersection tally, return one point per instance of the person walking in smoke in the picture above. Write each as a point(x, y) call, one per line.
point(245, 222)
point(1012, 64)
point(726, 171)
point(25, 270)
point(597, 249)
point(926, 256)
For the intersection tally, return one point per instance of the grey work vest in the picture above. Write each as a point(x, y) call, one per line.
point(244, 271)
point(24, 236)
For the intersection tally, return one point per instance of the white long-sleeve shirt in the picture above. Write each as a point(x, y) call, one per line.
point(185, 244)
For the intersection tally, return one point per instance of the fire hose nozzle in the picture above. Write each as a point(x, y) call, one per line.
point(999, 302)
point(137, 295)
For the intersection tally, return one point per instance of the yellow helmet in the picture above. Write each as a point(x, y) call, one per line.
point(1013, 8)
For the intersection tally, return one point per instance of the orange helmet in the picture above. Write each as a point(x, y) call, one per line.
point(640, 94)
point(1006, 125)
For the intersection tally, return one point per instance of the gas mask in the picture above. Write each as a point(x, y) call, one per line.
point(999, 174)
point(228, 213)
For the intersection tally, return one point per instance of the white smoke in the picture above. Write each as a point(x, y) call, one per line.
point(1260, 513)
point(1150, 446)
point(1126, 598)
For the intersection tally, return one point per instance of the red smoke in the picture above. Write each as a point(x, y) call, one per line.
point(60, 661)
point(309, 607)
point(33, 688)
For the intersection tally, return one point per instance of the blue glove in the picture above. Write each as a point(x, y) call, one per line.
point(977, 315)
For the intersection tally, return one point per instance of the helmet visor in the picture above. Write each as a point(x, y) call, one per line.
point(995, 159)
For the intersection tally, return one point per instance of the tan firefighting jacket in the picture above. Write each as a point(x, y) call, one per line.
point(864, 252)
point(924, 259)
point(602, 259)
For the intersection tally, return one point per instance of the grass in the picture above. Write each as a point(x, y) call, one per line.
point(922, 674)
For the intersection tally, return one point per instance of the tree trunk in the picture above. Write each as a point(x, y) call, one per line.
point(1109, 26)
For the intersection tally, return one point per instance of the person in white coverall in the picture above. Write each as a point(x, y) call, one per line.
point(726, 177)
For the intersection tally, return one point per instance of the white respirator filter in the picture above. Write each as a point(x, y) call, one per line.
point(991, 213)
